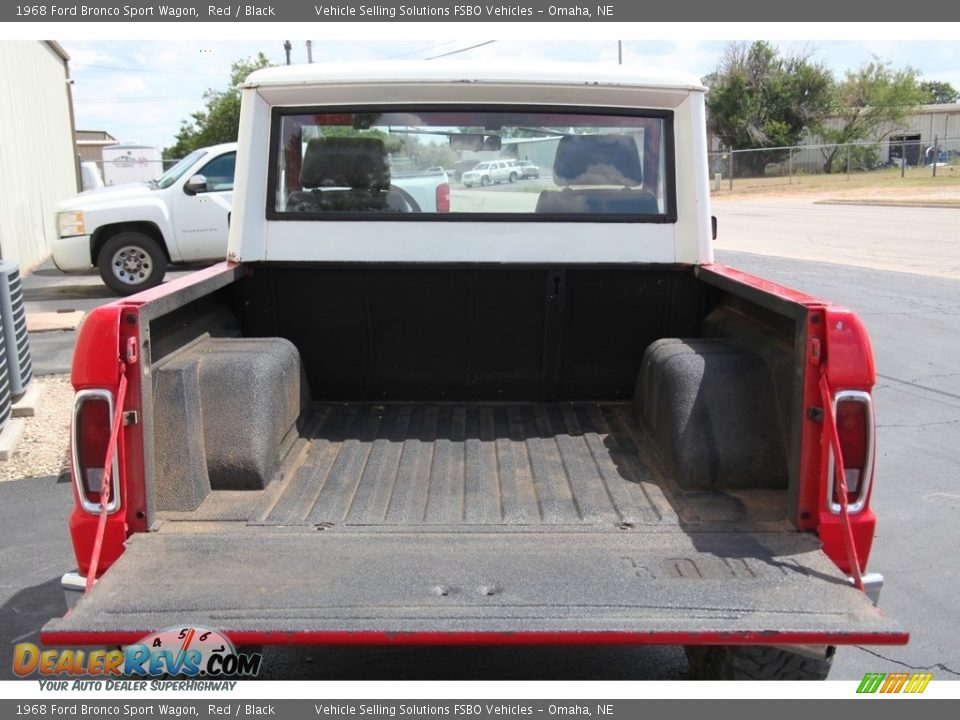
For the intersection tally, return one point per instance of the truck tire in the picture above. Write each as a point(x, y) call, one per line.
point(513, 177)
point(754, 662)
point(484, 181)
point(130, 262)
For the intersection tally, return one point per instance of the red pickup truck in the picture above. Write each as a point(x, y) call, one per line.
point(545, 416)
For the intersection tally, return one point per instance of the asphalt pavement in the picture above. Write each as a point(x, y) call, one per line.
point(913, 321)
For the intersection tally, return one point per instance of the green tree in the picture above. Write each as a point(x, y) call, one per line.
point(219, 120)
point(869, 104)
point(761, 99)
point(392, 143)
point(938, 92)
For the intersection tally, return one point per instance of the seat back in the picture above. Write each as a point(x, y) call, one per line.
point(359, 163)
point(343, 175)
point(598, 160)
point(598, 202)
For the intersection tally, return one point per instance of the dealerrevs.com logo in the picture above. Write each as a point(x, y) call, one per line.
point(190, 652)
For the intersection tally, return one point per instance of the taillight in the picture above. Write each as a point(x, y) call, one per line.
point(854, 422)
point(92, 418)
point(443, 198)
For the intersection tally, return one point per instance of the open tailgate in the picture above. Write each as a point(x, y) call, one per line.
point(358, 585)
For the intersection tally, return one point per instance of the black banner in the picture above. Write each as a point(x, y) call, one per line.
point(602, 11)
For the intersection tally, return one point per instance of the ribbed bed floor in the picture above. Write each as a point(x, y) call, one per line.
point(478, 464)
point(474, 464)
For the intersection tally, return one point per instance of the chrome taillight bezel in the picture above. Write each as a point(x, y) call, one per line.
point(863, 492)
point(93, 508)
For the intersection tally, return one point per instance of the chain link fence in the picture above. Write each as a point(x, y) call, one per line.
point(906, 156)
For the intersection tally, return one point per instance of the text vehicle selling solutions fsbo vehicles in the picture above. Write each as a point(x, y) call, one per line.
point(546, 416)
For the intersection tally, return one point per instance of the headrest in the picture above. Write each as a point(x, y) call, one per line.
point(597, 160)
point(360, 163)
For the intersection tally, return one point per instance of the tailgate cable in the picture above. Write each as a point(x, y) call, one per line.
point(129, 359)
point(840, 480)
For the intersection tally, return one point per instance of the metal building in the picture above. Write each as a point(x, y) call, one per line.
point(926, 127)
point(90, 144)
point(38, 165)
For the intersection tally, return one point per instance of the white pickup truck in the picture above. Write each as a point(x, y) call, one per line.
point(131, 232)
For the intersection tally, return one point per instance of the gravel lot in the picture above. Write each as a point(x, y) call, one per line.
point(42, 451)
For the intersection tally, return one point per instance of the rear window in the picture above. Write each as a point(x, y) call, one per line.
point(367, 163)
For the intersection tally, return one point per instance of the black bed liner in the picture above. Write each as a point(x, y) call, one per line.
point(405, 519)
point(513, 464)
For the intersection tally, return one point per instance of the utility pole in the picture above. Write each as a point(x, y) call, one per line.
point(619, 52)
point(287, 47)
point(310, 51)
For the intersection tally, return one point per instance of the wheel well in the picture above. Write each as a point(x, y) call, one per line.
point(101, 235)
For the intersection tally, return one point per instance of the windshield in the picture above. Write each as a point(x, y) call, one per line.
point(599, 164)
point(170, 176)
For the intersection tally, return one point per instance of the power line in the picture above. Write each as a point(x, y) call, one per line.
point(144, 70)
point(414, 52)
point(454, 52)
point(98, 101)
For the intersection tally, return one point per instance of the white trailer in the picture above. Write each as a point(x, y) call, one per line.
point(129, 163)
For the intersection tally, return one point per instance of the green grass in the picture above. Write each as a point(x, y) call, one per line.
point(889, 178)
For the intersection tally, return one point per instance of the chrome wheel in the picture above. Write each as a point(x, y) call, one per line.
point(131, 261)
point(132, 265)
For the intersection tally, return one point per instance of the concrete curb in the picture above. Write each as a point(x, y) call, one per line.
point(58, 320)
point(948, 205)
point(26, 406)
point(10, 436)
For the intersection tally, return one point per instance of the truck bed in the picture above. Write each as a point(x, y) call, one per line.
point(467, 467)
point(481, 464)
point(476, 523)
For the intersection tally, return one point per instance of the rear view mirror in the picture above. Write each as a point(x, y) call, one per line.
point(466, 142)
point(474, 142)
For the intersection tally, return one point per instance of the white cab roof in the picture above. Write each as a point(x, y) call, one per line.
point(387, 72)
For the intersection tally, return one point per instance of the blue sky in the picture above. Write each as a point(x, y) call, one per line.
point(141, 90)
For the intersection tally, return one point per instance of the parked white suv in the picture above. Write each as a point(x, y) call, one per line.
point(493, 171)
